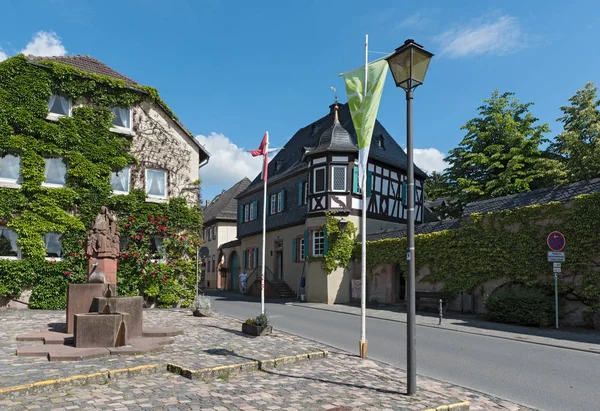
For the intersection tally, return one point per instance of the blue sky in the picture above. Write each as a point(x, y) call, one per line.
point(232, 70)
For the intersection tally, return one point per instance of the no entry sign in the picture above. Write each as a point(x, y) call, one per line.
point(556, 241)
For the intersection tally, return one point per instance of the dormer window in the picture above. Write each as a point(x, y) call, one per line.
point(55, 172)
point(380, 142)
point(58, 106)
point(10, 169)
point(278, 166)
point(121, 118)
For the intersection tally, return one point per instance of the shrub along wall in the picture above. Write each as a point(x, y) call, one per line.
point(509, 244)
point(91, 152)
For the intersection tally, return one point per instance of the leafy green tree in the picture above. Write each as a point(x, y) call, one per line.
point(435, 186)
point(500, 154)
point(578, 146)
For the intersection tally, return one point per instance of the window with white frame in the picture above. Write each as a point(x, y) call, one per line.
point(250, 263)
point(10, 168)
point(246, 213)
point(338, 178)
point(53, 242)
point(273, 203)
point(318, 243)
point(121, 117)
point(119, 181)
point(55, 172)
point(214, 236)
point(305, 192)
point(59, 105)
point(301, 249)
point(319, 177)
point(8, 244)
point(251, 210)
point(157, 249)
point(280, 202)
point(156, 183)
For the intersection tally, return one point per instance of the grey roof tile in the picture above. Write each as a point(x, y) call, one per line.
point(426, 228)
point(291, 158)
point(88, 64)
point(541, 196)
point(224, 205)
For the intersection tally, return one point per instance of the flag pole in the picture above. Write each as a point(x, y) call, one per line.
point(264, 238)
point(363, 268)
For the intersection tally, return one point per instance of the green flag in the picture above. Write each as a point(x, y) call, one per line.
point(364, 110)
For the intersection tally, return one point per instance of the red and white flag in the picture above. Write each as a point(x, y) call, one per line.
point(263, 151)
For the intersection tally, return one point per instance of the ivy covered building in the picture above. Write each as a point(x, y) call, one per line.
point(313, 177)
point(76, 135)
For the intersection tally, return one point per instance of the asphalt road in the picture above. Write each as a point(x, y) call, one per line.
point(537, 376)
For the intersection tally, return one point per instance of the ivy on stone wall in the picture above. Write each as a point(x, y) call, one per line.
point(91, 152)
point(509, 244)
point(340, 244)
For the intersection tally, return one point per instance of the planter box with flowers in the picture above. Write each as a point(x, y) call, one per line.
point(201, 306)
point(257, 326)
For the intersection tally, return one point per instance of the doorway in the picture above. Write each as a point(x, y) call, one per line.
point(234, 265)
point(400, 284)
point(279, 264)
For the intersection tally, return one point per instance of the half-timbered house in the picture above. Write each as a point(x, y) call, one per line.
point(315, 173)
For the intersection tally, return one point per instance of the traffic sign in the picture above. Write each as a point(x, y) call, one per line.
point(557, 269)
point(556, 257)
point(556, 265)
point(556, 241)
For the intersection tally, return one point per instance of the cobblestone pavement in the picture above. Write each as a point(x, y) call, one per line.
point(207, 342)
point(585, 340)
point(341, 380)
point(335, 382)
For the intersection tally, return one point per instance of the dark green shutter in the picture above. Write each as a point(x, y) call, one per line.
point(306, 244)
point(294, 249)
point(369, 182)
point(268, 205)
point(300, 193)
point(405, 193)
point(241, 219)
point(256, 257)
point(355, 182)
point(325, 242)
point(255, 213)
point(283, 200)
point(244, 265)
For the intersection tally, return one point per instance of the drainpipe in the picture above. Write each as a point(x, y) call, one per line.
point(199, 167)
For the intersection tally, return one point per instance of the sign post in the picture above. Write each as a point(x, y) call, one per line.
point(556, 242)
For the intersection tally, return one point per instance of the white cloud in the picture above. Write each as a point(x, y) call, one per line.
point(3, 55)
point(228, 163)
point(430, 159)
point(413, 20)
point(500, 36)
point(45, 43)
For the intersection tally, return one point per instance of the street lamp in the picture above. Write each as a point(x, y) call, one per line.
point(342, 224)
point(409, 65)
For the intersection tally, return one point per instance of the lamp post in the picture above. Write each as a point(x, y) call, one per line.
point(342, 224)
point(409, 64)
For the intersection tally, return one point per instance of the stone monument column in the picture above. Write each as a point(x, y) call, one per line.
point(103, 248)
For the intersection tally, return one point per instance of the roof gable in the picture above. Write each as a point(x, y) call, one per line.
point(224, 206)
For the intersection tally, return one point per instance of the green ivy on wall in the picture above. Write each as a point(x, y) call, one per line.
point(91, 152)
point(509, 244)
point(340, 244)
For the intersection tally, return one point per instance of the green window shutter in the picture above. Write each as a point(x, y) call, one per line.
point(268, 205)
point(244, 265)
point(294, 249)
point(306, 243)
point(256, 257)
point(325, 242)
point(255, 213)
point(300, 193)
point(355, 182)
point(404, 199)
point(369, 182)
point(282, 200)
point(241, 219)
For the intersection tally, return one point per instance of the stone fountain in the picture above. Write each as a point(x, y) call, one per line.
point(98, 320)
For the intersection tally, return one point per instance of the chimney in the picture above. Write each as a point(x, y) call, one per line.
point(207, 203)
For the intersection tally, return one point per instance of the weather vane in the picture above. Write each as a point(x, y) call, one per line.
point(335, 94)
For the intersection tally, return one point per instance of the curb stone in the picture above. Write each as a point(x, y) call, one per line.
point(459, 406)
point(203, 373)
